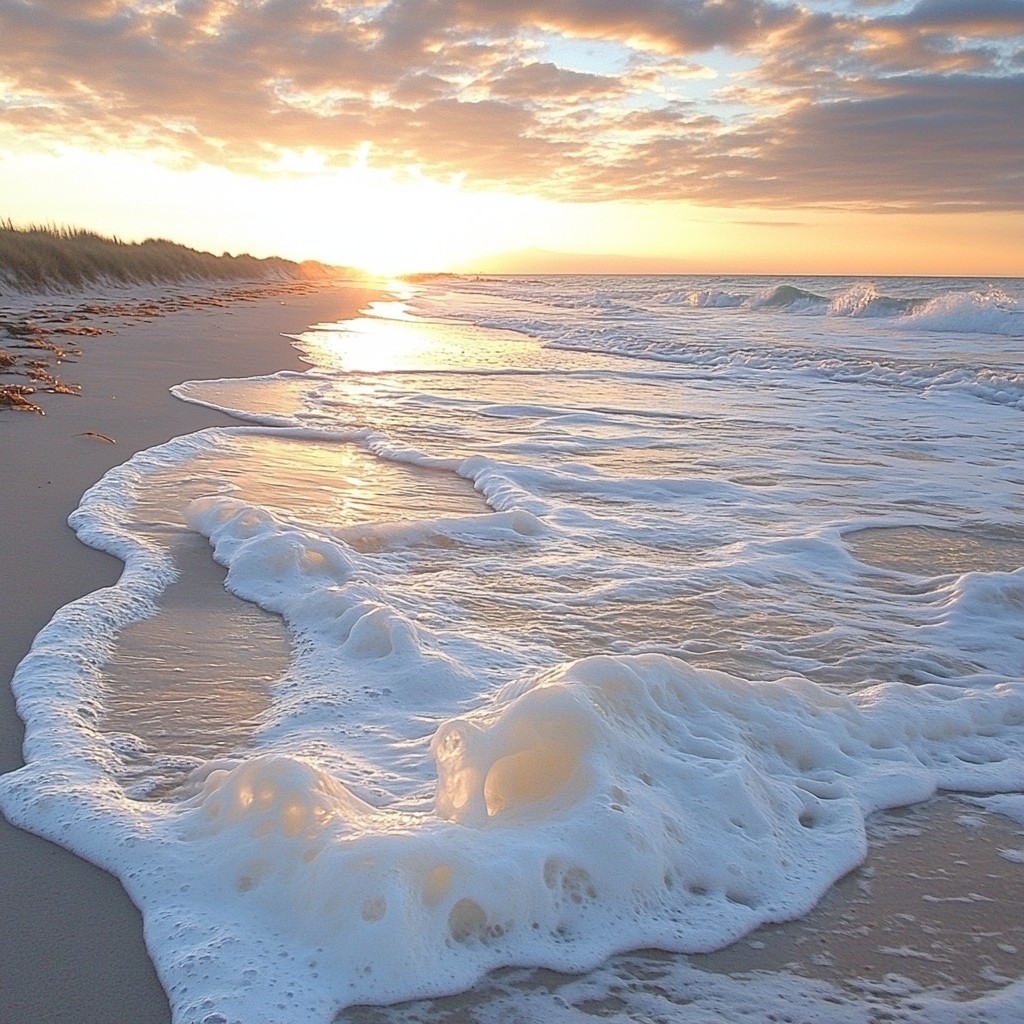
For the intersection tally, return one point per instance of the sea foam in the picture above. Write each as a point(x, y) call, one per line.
point(732, 802)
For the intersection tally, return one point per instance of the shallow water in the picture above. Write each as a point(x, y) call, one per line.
point(923, 550)
point(562, 617)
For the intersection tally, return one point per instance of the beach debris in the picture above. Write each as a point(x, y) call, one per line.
point(97, 435)
point(32, 331)
point(40, 367)
point(13, 396)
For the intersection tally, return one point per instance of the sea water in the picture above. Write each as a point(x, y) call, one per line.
point(541, 620)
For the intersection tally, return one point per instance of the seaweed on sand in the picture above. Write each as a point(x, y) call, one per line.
point(14, 396)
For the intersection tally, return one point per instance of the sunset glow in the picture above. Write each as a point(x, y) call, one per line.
point(737, 136)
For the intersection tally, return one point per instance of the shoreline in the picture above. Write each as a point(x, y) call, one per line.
point(72, 948)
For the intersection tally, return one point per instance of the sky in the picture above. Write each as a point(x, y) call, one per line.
point(693, 136)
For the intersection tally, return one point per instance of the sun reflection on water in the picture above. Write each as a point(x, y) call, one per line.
point(390, 341)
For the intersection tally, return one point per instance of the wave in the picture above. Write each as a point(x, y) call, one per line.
point(932, 305)
point(704, 298)
point(866, 300)
point(873, 335)
point(788, 296)
point(991, 311)
point(985, 311)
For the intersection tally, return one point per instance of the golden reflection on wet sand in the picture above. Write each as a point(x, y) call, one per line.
point(195, 678)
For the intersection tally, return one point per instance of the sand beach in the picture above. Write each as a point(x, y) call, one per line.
point(72, 941)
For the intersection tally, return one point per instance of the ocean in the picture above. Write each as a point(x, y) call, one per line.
point(545, 636)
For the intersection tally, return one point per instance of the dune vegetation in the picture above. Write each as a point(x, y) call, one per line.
point(50, 258)
point(84, 273)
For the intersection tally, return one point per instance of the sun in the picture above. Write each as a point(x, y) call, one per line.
point(400, 226)
point(390, 221)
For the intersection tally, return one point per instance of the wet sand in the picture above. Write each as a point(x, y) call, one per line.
point(72, 947)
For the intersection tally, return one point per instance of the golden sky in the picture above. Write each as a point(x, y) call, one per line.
point(758, 136)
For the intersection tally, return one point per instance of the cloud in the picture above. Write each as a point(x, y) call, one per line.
point(912, 143)
point(968, 17)
point(828, 108)
point(537, 82)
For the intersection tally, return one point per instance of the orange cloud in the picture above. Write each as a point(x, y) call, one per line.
point(830, 108)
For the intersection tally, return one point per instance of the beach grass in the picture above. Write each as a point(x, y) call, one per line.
point(42, 258)
point(102, 277)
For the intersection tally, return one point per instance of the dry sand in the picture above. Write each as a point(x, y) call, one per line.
point(72, 949)
point(940, 900)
